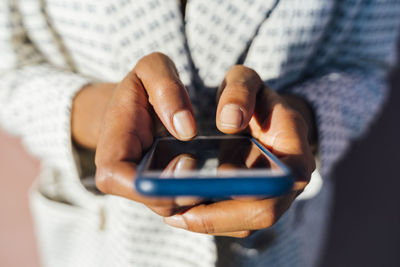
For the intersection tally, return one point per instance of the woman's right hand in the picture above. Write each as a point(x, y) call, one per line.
point(152, 91)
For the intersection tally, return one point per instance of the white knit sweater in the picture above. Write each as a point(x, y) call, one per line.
point(334, 53)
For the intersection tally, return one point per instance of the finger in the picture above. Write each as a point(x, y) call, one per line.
point(227, 170)
point(117, 179)
point(302, 168)
point(284, 132)
point(159, 129)
point(177, 168)
point(238, 98)
point(166, 211)
point(167, 95)
point(127, 126)
point(241, 157)
point(232, 153)
point(232, 215)
point(256, 159)
point(278, 127)
point(239, 234)
point(126, 133)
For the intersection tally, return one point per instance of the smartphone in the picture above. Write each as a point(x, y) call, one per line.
point(212, 167)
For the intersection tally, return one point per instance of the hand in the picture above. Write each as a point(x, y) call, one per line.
point(245, 103)
point(150, 95)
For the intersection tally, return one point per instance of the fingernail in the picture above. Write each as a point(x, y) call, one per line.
point(176, 221)
point(187, 201)
point(184, 124)
point(185, 164)
point(231, 116)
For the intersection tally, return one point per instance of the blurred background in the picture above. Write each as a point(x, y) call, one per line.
point(365, 226)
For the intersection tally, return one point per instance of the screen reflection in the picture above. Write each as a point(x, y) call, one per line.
point(209, 157)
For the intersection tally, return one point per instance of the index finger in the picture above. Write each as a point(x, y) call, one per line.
point(167, 95)
point(232, 215)
point(238, 98)
point(126, 134)
point(128, 127)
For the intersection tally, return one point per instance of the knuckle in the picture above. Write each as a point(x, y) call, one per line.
point(275, 210)
point(98, 161)
point(152, 58)
point(164, 90)
point(269, 218)
point(104, 179)
point(297, 120)
point(241, 87)
point(157, 54)
point(207, 226)
point(242, 68)
point(245, 72)
point(164, 87)
point(290, 113)
point(202, 225)
point(268, 222)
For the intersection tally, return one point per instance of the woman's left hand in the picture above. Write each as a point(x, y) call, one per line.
point(246, 104)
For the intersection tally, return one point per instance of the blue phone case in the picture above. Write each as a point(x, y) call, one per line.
point(215, 187)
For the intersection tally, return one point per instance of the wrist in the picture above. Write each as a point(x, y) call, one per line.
point(87, 113)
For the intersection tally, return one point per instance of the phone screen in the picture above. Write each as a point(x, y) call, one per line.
point(209, 157)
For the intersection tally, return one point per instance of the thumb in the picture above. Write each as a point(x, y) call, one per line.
point(167, 95)
point(238, 99)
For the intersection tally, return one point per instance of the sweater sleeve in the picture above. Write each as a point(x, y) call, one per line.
point(348, 91)
point(35, 96)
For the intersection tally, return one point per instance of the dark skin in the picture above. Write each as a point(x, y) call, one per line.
point(119, 121)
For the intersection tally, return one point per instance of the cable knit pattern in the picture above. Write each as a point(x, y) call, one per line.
point(333, 53)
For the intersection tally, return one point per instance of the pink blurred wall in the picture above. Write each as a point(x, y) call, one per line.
point(17, 172)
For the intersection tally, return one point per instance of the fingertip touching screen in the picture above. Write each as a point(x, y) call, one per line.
point(204, 157)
